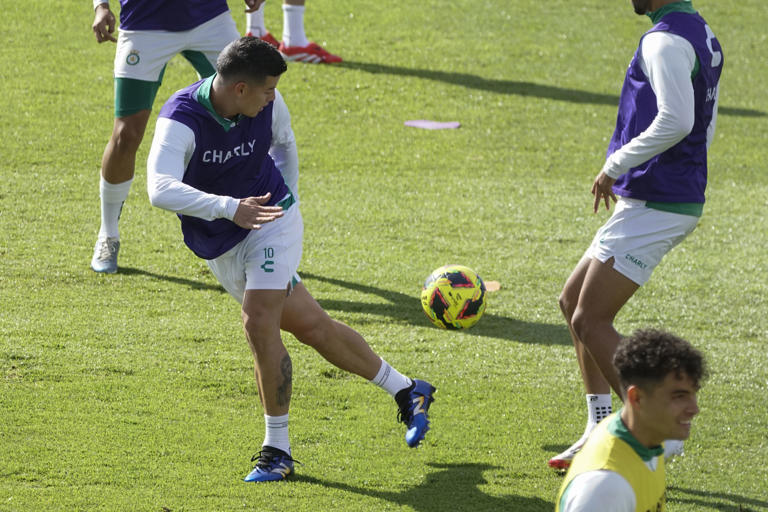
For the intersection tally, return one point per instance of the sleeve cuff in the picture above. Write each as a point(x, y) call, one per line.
point(230, 207)
point(612, 170)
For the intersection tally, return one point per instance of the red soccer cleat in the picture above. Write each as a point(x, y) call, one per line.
point(312, 53)
point(268, 38)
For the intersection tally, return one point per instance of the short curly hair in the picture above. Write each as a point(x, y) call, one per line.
point(649, 355)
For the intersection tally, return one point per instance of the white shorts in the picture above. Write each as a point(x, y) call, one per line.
point(143, 54)
point(638, 237)
point(267, 259)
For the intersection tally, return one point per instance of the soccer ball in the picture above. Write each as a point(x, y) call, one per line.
point(453, 297)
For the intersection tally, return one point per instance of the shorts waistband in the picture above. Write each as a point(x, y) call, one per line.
point(287, 201)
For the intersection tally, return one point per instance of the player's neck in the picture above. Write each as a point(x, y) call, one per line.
point(219, 100)
point(644, 435)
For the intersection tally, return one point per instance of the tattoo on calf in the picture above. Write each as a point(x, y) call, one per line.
point(284, 390)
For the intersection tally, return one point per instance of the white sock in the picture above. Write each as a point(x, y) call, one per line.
point(113, 195)
point(390, 379)
point(255, 22)
point(598, 406)
point(293, 26)
point(276, 434)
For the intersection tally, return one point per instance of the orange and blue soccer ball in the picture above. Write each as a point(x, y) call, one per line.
point(453, 297)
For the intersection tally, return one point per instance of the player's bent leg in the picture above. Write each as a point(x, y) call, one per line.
point(345, 348)
point(338, 343)
point(603, 293)
point(273, 370)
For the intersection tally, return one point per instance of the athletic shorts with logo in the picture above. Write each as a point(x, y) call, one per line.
point(142, 55)
point(638, 237)
point(267, 259)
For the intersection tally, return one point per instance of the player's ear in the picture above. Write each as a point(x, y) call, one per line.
point(634, 394)
point(240, 88)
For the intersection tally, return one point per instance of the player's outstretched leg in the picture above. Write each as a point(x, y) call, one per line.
point(346, 349)
point(414, 403)
point(271, 465)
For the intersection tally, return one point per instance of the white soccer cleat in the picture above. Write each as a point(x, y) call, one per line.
point(563, 460)
point(105, 255)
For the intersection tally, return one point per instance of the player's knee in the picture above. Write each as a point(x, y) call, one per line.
point(582, 324)
point(567, 305)
point(256, 323)
point(127, 135)
point(313, 331)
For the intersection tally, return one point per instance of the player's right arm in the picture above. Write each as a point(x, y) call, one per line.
point(603, 490)
point(172, 147)
point(103, 22)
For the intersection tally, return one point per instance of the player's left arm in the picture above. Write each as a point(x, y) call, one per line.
point(668, 61)
point(283, 148)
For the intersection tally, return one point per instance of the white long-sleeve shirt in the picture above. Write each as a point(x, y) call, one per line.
point(172, 148)
point(668, 60)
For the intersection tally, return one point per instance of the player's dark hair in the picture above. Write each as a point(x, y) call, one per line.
point(249, 59)
point(649, 355)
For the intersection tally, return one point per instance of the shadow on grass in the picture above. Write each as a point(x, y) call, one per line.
point(714, 500)
point(190, 283)
point(515, 87)
point(452, 487)
point(402, 307)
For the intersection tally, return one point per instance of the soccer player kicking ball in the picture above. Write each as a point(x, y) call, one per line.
point(224, 159)
point(621, 466)
point(657, 167)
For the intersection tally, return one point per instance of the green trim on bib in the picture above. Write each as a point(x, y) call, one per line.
point(682, 6)
point(694, 209)
point(203, 96)
point(617, 428)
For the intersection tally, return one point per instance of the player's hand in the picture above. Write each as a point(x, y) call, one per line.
point(251, 212)
point(602, 189)
point(104, 24)
point(253, 5)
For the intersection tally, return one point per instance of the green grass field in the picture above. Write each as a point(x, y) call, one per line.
point(135, 391)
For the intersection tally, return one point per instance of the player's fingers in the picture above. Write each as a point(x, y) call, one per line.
point(263, 199)
point(111, 30)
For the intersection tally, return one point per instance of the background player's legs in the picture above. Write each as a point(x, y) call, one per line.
point(603, 293)
point(118, 163)
point(293, 23)
point(591, 298)
point(295, 45)
point(119, 159)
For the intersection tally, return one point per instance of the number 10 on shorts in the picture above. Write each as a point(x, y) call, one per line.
point(269, 253)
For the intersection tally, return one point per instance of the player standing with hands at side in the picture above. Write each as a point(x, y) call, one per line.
point(151, 33)
point(224, 158)
point(656, 172)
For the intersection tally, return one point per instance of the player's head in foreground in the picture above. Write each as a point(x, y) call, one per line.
point(247, 72)
point(660, 376)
